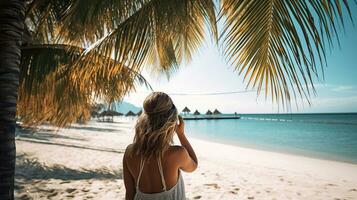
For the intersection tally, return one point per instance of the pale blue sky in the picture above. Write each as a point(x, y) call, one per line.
point(208, 73)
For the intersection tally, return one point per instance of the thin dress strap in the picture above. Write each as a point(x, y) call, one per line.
point(142, 162)
point(161, 173)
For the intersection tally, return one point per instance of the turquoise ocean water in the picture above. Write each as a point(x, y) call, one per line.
point(326, 136)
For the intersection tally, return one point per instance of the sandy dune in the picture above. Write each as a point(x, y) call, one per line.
point(84, 162)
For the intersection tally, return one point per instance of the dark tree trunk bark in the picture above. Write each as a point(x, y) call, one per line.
point(12, 17)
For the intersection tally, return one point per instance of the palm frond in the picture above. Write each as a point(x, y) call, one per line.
point(84, 22)
point(54, 89)
point(279, 45)
point(159, 33)
point(43, 18)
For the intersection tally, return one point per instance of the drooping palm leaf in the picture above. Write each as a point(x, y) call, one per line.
point(162, 33)
point(84, 22)
point(279, 45)
point(54, 89)
point(43, 18)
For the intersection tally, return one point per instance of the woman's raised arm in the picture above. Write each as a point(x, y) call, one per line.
point(187, 154)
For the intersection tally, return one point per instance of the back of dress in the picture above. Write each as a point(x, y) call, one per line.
point(177, 192)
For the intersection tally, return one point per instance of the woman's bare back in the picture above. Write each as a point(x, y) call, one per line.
point(150, 180)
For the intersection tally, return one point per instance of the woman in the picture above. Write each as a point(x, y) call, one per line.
point(152, 165)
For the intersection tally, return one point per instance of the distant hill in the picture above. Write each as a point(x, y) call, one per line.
point(124, 107)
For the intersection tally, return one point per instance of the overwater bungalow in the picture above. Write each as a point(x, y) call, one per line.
point(186, 111)
point(208, 112)
point(196, 113)
point(216, 112)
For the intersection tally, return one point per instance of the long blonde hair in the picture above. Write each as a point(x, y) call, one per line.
point(155, 127)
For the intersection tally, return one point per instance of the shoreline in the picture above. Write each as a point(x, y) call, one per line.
point(298, 152)
point(85, 162)
point(228, 149)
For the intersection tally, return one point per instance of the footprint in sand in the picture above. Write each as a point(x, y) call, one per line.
point(70, 190)
point(331, 184)
point(197, 197)
point(52, 194)
point(215, 185)
point(85, 190)
point(236, 189)
point(25, 197)
point(353, 190)
point(233, 192)
point(36, 181)
point(250, 197)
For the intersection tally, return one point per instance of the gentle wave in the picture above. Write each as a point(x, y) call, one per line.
point(301, 121)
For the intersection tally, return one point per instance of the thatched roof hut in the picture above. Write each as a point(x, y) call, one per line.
point(108, 115)
point(196, 113)
point(208, 112)
point(139, 113)
point(115, 113)
point(216, 112)
point(130, 113)
point(186, 110)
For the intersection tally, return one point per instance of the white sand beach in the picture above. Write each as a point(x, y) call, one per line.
point(85, 162)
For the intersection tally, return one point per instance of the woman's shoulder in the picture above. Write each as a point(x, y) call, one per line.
point(129, 148)
point(129, 151)
point(176, 150)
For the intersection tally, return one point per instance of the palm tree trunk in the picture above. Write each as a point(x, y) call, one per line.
point(12, 16)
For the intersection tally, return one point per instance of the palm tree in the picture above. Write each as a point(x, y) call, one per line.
point(11, 28)
point(78, 51)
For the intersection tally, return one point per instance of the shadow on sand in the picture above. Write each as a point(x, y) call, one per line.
point(42, 134)
point(29, 169)
point(89, 128)
point(35, 180)
point(47, 136)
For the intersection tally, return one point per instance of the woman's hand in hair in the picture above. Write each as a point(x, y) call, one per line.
point(180, 128)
